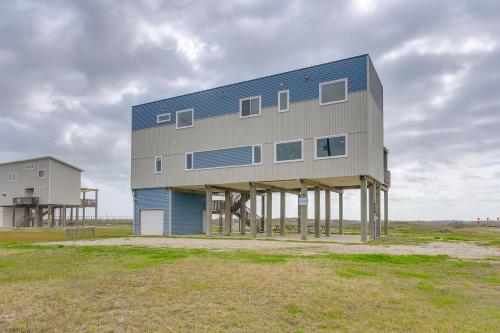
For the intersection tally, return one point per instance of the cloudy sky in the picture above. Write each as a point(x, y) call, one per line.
point(70, 71)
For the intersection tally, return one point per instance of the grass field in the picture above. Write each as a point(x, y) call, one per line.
point(133, 289)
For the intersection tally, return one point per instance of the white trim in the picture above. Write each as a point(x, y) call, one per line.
point(38, 173)
point(321, 84)
point(287, 100)
point(177, 118)
point(329, 157)
point(250, 98)
point(161, 163)
point(289, 141)
point(158, 121)
point(29, 166)
point(253, 154)
point(185, 160)
point(12, 179)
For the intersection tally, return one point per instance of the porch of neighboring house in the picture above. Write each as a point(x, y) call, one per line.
point(230, 200)
point(27, 212)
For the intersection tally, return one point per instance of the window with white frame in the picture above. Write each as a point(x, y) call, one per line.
point(288, 151)
point(189, 161)
point(12, 177)
point(250, 107)
point(333, 92)
point(42, 173)
point(283, 100)
point(184, 118)
point(257, 154)
point(158, 164)
point(330, 146)
point(29, 166)
point(162, 118)
point(4, 195)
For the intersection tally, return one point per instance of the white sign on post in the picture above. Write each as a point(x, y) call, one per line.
point(303, 200)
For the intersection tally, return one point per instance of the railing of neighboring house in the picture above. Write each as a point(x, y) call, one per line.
point(88, 202)
point(25, 201)
point(101, 220)
point(387, 178)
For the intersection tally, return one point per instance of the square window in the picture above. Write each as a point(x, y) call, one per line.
point(331, 146)
point(184, 118)
point(283, 100)
point(333, 92)
point(42, 173)
point(250, 107)
point(288, 151)
point(12, 177)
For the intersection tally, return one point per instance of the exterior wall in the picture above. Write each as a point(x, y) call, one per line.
point(237, 156)
point(6, 218)
point(375, 124)
point(153, 198)
point(65, 183)
point(187, 213)
point(25, 179)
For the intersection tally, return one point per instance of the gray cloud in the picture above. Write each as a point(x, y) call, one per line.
point(70, 71)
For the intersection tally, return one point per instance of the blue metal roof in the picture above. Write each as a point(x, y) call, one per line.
point(225, 99)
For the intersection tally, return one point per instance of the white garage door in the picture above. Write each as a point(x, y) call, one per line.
point(152, 222)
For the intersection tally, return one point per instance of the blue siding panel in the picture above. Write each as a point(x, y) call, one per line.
point(187, 213)
point(223, 157)
point(212, 103)
point(151, 198)
point(376, 88)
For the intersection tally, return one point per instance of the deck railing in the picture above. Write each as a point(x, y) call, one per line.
point(89, 202)
point(387, 178)
point(25, 201)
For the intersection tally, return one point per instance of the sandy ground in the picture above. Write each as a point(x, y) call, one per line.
point(452, 249)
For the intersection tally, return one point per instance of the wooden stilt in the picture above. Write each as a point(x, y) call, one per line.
point(282, 212)
point(208, 210)
point(386, 212)
point(243, 213)
point(378, 216)
point(269, 213)
point(227, 213)
point(371, 211)
point(327, 213)
point(317, 212)
point(363, 209)
point(253, 210)
point(341, 213)
point(303, 210)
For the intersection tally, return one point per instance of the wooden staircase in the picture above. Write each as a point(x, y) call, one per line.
point(235, 210)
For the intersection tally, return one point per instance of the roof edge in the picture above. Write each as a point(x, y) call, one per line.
point(43, 158)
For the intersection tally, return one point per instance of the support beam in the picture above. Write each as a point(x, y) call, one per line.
point(378, 215)
point(341, 213)
point(77, 209)
point(386, 213)
point(208, 210)
point(71, 214)
point(363, 209)
point(314, 183)
point(63, 216)
point(269, 213)
point(303, 211)
point(371, 211)
point(327, 213)
point(276, 188)
point(282, 212)
point(317, 213)
point(96, 203)
point(243, 213)
point(14, 216)
point(253, 210)
point(52, 217)
point(217, 188)
point(227, 213)
point(83, 209)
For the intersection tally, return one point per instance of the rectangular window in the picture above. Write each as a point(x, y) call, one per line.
point(4, 194)
point(162, 118)
point(29, 166)
point(42, 173)
point(331, 146)
point(333, 92)
point(250, 107)
point(158, 164)
point(189, 161)
point(12, 177)
point(257, 155)
point(288, 151)
point(184, 118)
point(283, 100)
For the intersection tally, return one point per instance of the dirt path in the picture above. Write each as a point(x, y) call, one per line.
point(455, 249)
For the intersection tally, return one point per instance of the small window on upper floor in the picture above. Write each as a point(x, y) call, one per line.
point(257, 155)
point(184, 118)
point(189, 161)
point(12, 177)
point(42, 173)
point(333, 92)
point(29, 166)
point(330, 147)
point(162, 118)
point(283, 100)
point(4, 194)
point(158, 164)
point(250, 107)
